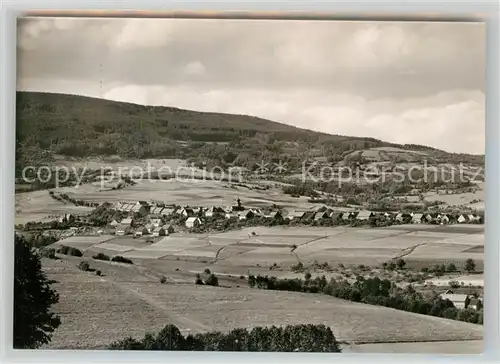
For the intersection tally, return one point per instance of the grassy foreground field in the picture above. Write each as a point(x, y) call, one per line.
point(127, 300)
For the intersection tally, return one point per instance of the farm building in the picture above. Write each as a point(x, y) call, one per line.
point(428, 218)
point(458, 300)
point(122, 230)
point(185, 211)
point(156, 210)
point(444, 219)
point(320, 215)
point(230, 215)
point(193, 222)
point(257, 212)
point(214, 212)
point(273, 215)
point(399, 217)
point(167, 211)
point(417, 218)
point(295, 215)
point(155, 222)
point(462, 219)
point(346, 216)
point(127, 207)
point(473, 218)
point(159, 231)
point(150, 227)
point(364, 215)
point(127, 221)
point(143, 230)
point(336, 216)
point(117, 206)
point(245, 214)
point(139, 208)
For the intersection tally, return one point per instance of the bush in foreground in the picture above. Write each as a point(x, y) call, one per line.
point(68, 250)
point(48, 253)
point(34, 323)
point(291, 338)
point(120, 259)
point(212, 280)
point(84, 266)
point(101, 256)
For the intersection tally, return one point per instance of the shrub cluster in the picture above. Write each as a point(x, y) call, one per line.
point(48, 253)
point(84, 266)
point(101, 256)
point(120, 259)
point(291, 338)
point(371, 291)
point(211, 280)
point(68, 250)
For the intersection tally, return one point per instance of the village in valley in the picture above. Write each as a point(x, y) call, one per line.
point(260, 230)
point(327, 196)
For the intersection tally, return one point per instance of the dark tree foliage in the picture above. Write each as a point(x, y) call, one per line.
point(291, 338)
point(34, 322)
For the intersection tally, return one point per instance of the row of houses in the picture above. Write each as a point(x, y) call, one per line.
point(240, 213)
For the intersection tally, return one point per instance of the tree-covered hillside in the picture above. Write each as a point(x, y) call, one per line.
point(79, 126)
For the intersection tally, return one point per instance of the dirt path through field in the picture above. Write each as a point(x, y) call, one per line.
point(410, 250)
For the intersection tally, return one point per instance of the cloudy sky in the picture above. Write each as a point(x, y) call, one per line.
point(417, 83)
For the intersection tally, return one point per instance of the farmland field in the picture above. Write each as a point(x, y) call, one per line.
point(126, 299)
point(39, 206)
point(234, 252)
point(188, 192)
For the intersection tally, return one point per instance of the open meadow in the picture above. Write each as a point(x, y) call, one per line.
point(129, 301)
point(40, 206)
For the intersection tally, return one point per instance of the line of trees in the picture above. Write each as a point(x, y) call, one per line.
point(291, 338)
point(372, 291)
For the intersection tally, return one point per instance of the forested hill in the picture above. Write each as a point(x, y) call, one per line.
point(79, 126)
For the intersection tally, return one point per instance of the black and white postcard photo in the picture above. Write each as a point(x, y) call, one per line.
point(249, 185)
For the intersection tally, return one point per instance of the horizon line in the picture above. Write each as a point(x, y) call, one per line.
point(226, 113)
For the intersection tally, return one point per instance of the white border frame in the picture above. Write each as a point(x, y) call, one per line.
point(456, 10)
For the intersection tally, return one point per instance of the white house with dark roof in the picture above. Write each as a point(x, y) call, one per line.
point(193, 222)
point(321, 215)
point(214, 211)
point(346, 216)
point(155, 222)
point(417, 218)
point(122, 230)
point(127, 221)
point(127, 207)
point(139, 208)
point(296, 214)
point(273, 215)
point(159, 231)
point(364, 215)
point(459, 300)
point(156, 210)
point(167, 211)
point(245, 214)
